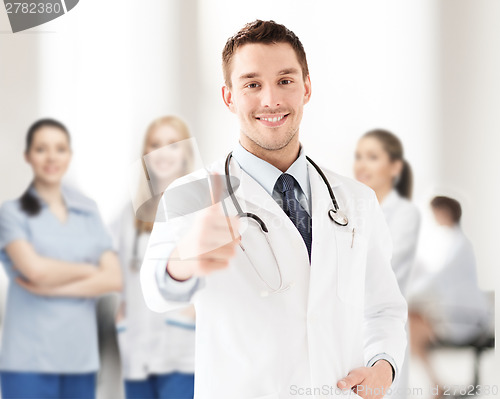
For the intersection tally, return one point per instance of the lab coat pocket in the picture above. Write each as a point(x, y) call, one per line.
point(351, 257)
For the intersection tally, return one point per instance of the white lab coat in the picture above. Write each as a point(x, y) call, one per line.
point(403, 219)
point(341, 311)
point(150, 343)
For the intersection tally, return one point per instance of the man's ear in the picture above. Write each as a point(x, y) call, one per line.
point(307, 87)
point(227, 96)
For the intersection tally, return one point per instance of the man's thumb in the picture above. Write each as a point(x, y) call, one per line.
point(348, 381)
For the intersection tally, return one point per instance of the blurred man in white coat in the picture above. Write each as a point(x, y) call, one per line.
point(287, 265)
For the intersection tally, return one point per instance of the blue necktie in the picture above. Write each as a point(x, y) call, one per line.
point(300, 218)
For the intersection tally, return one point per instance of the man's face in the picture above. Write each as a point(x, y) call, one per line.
point(268, 93)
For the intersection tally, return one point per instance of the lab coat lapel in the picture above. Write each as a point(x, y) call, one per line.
point(324, 262)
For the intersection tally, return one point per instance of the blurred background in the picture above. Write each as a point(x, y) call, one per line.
point(425, 69)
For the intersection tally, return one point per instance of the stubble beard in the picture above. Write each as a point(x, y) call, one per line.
point(290, 134)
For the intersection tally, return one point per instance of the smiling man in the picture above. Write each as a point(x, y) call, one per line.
point(303, 302)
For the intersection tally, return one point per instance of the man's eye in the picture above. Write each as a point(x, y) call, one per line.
point(285, 82)
point(252, 85)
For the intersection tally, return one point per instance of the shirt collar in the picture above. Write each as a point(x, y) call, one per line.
point(72, 198)
point(266, 174)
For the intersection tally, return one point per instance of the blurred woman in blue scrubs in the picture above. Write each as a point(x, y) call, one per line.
point(380, 164)
point(58, 257)
point(156, 350)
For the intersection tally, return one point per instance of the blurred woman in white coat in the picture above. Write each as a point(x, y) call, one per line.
point(380, 164)
point(156, 350)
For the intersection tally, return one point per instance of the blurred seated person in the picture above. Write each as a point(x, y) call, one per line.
point(445, 303)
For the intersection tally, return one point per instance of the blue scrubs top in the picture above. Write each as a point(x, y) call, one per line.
point(51, 334)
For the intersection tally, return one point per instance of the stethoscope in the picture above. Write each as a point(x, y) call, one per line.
point(334, 213)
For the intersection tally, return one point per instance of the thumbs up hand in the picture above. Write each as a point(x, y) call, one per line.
point(211, 241)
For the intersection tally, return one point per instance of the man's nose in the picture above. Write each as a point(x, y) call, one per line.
point(270, 96)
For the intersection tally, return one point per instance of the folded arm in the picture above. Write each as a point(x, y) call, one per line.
point(108, 278)
point(44, 271)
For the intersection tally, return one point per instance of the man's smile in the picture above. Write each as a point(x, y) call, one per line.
point(272, 120)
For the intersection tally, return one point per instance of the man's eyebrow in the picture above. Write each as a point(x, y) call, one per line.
point(249, 75)
point(286, 71)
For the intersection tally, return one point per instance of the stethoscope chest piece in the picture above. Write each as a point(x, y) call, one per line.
point(338, 217)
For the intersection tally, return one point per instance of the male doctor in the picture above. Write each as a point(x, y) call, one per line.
point(313, 312)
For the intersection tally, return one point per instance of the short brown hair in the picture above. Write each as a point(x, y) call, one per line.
point(266, 32)
point(449, 204)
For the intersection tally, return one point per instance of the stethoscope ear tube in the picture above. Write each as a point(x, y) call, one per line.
point(230, 186)
point(327, 183)
point(235, 201)
point(335, 214)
